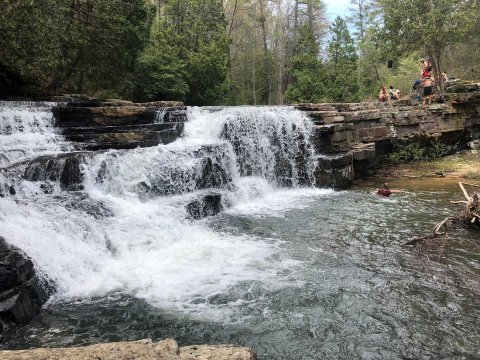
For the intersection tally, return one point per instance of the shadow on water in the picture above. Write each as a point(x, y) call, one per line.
point(352, 291)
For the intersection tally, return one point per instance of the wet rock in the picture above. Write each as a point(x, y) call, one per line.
point(142, 349)
point(21, 292)
point(334, 170)
point(208, 205)
point(458, 86)
point(474, 145)
point(124, 137)
point(71, 177)
point(213, 174)
point(64, 169)
point(81, 201)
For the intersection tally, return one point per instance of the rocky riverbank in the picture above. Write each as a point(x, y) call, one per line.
point(143, 349)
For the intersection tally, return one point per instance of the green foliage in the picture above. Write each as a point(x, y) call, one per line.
point(405, 152)
point(186, 58)
point(437, 149)
point(266, 53)
point(207, 71)
point(71, 46)
point(412, 25)
point(402, 76)
point(411, 151)
point(342, 65)
point(111, 46)
point(307, 71)
point(160, 73)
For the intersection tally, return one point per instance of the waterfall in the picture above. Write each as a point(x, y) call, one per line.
point(270, 142)
point(27, 130)
point(125, 229)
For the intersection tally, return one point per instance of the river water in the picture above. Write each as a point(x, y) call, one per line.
point(294, 271)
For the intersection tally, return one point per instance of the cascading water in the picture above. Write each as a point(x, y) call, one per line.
point(27, 130)
point(143, 245)
point(270, 142)
point(294, 272)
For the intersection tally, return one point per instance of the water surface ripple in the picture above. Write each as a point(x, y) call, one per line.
point(352, 291)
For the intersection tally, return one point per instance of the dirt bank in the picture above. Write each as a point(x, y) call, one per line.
point(464, 165)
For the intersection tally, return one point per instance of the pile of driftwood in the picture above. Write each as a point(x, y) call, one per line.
point(469, 215)
point(432, 247)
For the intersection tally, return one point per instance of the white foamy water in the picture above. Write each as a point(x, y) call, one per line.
point(147, 247)
point(269, 202)
point(270, 142)
point(27, 130)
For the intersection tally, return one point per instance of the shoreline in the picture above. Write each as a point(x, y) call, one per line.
point(462, 166)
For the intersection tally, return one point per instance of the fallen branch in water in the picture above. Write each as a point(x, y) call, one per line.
point(436, 231)
point(470, 215)
point(472, 209)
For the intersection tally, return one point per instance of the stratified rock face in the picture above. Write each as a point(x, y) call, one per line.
point(334, 170)
point(142, 349)
point(355, 138)
point(21, 293)
point(116, 124)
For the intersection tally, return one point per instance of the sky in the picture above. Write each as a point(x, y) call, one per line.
point(337, 8)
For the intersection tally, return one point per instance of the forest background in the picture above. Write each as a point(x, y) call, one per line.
point(211, 52)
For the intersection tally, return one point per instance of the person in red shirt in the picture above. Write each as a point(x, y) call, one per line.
point(386, 191)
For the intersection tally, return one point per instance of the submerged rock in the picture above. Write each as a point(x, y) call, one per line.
point(142, 349)
point(21, 292)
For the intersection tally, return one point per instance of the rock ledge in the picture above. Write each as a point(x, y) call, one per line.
point(142, 349)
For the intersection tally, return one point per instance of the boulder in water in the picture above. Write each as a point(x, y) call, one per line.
point(21, 292)
point(208, 205)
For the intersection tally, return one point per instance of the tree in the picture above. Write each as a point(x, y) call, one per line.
point(410, 25)
point(197, 30)
point(82, 45)
point(359, 18)
point(160, 73)
point(307, 70)
point(342, 66)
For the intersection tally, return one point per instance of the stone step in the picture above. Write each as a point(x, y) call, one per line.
point(72, 131)
point(136, 114)
point(125, 140)
point(64, 169)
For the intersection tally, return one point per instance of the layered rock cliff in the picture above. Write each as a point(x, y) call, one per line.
point(351, 139)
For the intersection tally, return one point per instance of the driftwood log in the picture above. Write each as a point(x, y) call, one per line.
point(471, 214)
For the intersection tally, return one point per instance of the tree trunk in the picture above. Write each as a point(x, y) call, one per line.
point(434, 56)
point(265, 58)
point(229, 38)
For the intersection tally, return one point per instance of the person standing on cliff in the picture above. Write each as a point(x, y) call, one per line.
point(427, 90)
